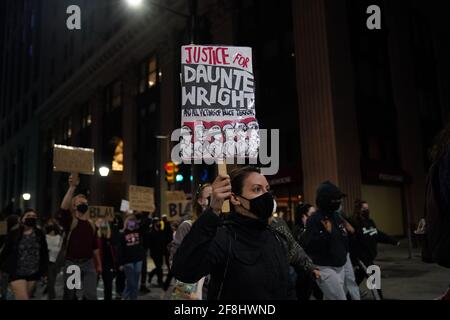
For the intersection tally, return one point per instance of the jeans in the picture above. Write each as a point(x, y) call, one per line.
point(88, 280)
point(350, 283)
point(132, 275)
point(53, 271)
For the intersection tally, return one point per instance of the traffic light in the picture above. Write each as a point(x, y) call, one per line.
point(171, 171)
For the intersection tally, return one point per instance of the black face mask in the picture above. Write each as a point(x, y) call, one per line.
point(51, 228)
point(331, 206)
point(82, 208)
point(261, 206)
point(365, 213)
point(30, 222)
point(139, 216)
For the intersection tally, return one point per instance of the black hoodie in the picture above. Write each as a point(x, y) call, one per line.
point(324, 248)
point(245, 258)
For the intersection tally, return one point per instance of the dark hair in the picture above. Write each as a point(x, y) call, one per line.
point(440, 143)
point(26, 211)
point(357, 211)
point(301, 210)
point(238, 176)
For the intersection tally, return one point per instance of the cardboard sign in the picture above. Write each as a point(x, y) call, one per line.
point(3, 228)
point(142, 199)
point(125, 206)
point(71, 159)
point(218, 117)
point(174, 195)
point(178, 209)
point(96, 212)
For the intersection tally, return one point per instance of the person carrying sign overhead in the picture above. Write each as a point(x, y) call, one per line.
point(81, 242)
point(245, 257)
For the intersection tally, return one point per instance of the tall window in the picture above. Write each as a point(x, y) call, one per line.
point(149, 74)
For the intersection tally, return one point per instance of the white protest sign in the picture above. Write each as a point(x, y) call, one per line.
point(124, 206)
point(218, 118)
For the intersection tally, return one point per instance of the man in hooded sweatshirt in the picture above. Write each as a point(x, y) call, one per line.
point(326, 242)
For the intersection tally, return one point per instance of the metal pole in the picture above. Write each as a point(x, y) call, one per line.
point(192, 20)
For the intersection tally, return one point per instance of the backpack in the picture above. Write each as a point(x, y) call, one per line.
point(437, 226)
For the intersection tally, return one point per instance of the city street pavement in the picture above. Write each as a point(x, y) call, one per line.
point(401, 278)
point(409, 279)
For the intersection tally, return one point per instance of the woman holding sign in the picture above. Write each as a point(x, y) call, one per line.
point(245, 257)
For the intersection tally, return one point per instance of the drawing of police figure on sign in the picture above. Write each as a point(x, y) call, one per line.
point(229, 147)
point(186, 143)
point(199, 140)
point(216, 146)
point(241, 143)
point(253, 139)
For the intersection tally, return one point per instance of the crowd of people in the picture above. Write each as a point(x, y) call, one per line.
point(248, 253)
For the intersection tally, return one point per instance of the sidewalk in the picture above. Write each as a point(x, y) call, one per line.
point(409, 279)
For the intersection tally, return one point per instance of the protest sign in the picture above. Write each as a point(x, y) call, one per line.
point(141, 199)
point(71, 159)
point(101, 212)
point(218, 118)
point(124, 206)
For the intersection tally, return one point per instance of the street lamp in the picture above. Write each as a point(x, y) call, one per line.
point(104, 171)
point(134, 3)
point(26, 196)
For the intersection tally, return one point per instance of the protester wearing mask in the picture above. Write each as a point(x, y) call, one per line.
point(80, 243)
point(54, 242)
point(244, 256)
point(130, 255)
point(326, 241)
point(365, 243)
point(183, 290)
point(25, 256)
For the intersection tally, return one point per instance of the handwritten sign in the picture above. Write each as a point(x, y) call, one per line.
point(97, 212)
point(218, 117)
point(142, 199)
point(71, 159)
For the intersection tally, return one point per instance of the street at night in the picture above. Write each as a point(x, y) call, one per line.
point(256, 152)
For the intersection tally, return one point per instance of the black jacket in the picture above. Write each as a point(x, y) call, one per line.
point(157, 241)
point(364, 243)
point(245, 258)
point(324, 248)
point(8, 256)
point(130, 248)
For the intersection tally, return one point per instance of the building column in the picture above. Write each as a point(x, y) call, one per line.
point(328, 125)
